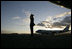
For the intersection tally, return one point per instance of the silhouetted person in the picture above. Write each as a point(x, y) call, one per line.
point(31, 23)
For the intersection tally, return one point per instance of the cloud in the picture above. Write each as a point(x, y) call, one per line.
point(21, 21)
point(26, 20)
point(16, 17)
point(64, 22)
point(67, 20)
point(63, 14)
point(40, 24)
point(57, 18)
point(26, 12)
point(57, 21)
point(44, 24)
point(49, 19)
point(58, 24)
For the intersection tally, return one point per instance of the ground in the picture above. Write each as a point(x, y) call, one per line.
point(37, 41)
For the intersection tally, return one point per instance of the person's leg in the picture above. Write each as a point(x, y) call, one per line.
point(31, 28)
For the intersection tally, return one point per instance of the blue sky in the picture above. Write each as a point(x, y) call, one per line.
point(16, 13)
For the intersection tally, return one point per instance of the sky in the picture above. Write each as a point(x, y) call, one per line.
point(15, 16)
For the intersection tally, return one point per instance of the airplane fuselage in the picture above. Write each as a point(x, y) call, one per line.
point(53, 31)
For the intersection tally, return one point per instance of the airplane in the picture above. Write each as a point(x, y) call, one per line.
point(53, 31)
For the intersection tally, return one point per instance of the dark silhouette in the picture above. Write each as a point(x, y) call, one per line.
point(53, 31)
point(31, 23)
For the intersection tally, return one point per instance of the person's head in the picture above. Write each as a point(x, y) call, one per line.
point(31, 15)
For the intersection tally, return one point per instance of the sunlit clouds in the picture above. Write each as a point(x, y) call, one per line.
point(57, 21)
point(63, 14)
point(16, 17)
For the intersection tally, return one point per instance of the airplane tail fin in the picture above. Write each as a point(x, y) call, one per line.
point(67, 28)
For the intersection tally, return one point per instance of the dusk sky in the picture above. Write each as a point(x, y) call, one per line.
point(15, 15)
